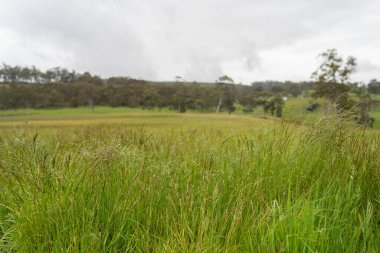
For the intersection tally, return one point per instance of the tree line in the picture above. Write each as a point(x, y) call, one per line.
point(29, 87)
point(19, 74)
point(129, 92)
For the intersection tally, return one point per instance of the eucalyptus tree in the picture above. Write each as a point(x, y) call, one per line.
point(225, 90)
point(180, 97)
point(332, 79)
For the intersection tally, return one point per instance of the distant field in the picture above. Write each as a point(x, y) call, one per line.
point(125, 117)
point(126, 180)
point(294, 109)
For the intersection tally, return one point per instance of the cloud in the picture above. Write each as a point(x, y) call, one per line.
point(81, 34)
point(199, 40)
point(368, 66)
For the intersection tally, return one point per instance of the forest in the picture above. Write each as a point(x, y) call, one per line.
point(29, 87)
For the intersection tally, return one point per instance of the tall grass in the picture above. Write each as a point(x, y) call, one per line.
point(115, 189)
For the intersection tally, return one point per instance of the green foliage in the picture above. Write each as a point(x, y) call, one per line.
point(225, 79)
point(117, 188)
point(332, 79)
point(374, 87)
point(28, 87)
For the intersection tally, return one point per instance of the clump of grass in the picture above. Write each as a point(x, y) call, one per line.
point(285, 188)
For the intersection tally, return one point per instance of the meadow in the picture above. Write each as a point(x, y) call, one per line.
point(129, 180)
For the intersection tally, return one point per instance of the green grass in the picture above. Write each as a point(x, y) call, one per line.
point(141, 181)
point(71, 113)
point(295, 110)
point(376, 115)
point(120, 117)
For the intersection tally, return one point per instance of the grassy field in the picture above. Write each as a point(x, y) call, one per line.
point(376, 115)
point(123, 180)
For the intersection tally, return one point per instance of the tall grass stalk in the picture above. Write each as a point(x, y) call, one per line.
point(116, 189)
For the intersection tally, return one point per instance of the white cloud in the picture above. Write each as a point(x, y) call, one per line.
point(199, 40)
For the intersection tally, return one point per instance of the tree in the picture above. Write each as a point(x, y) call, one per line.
point(179, 79)
point(5, 97)
point(278, 103)
point(365, 103)
point(374, 86)
point(180, 95)
point(35, 74)
point(274, 105)
point(223, 87)
point(332, 79)
point(225, 79)
point(88, 94)
point(25, 74)
point(293, 89)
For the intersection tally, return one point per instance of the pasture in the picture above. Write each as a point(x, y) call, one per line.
point(129, 180)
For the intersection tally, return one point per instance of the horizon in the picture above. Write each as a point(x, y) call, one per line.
point(182, 79)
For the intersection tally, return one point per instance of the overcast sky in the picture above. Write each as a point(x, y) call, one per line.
point(249, 40)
